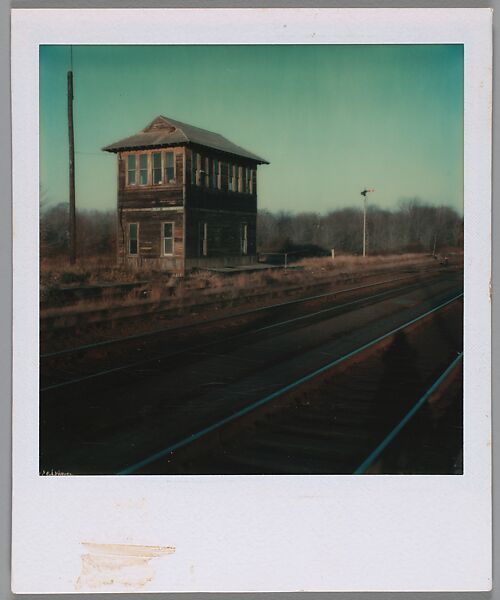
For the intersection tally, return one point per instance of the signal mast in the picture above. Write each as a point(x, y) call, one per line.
point(363, 193)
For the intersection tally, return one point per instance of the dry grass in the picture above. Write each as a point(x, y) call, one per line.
point(356, 263)
point(202, 286)
point(57, 271)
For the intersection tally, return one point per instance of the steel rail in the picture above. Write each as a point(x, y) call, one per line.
point(226, 339)
point(244, 313)
point(372, 457)
point(291, 386)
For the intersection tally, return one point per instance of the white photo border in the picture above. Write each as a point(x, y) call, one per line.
point(253, 533)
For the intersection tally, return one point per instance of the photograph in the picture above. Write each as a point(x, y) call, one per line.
point(251, 259)
point(251, 300)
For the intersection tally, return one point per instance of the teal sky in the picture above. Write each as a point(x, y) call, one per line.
point(330, 119)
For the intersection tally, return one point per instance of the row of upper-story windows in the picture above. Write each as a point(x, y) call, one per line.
point(151, 168)
point(159, 168)
point(218, 175)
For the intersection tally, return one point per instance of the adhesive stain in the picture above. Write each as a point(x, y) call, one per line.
point(118, 565)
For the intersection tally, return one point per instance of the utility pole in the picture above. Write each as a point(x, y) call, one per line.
point(363, 193)
point(72, 211)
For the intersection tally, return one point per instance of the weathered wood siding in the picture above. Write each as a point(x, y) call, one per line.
point(164, 263)
point(219, 200)
point(201, 195)
point(224, 212)
point(221, 261)
point(189, 207)
point(150, 206)
point(150, 237)
point(224, 234)
point(151, 196)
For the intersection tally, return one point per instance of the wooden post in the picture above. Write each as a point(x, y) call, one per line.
point(72, 211)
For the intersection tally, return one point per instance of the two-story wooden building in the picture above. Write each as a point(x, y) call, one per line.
point(187, 198)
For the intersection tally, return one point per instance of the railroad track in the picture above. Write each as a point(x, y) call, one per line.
point(63, 368)
point(99, 425)
point(56, 324)
point(345, 417)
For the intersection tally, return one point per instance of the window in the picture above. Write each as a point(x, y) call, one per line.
point(243, 179)
point(194, 166)
point(244, 239)
point(211, 172)
point(199, 169)
point(234, 178)
point(229, 177)
point(156, 167)
point(247, 180)
point(237, 185)
point(168, 238)
point(252, 175)
point(143, 169)
point(206, 177)
point(131, 169)
point(169, 167)
point(133, 238)
point(215, 174)
point(204, 239)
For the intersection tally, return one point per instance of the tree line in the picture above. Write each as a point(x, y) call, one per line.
point(414, 226)
point(95, 232)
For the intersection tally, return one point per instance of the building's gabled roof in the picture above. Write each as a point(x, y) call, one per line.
point(164, 131)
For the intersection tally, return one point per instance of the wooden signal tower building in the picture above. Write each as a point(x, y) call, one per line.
point(187, 198)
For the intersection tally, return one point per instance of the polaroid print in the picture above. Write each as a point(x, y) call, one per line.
point(234, 314)
point(251, 333)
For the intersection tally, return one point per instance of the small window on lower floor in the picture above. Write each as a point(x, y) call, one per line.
point(168, 238)
point(203, 239)
point(133, 238)
point(244, 239)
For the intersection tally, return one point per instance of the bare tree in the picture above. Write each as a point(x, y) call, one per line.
point(96, 232)
point(413, 226)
